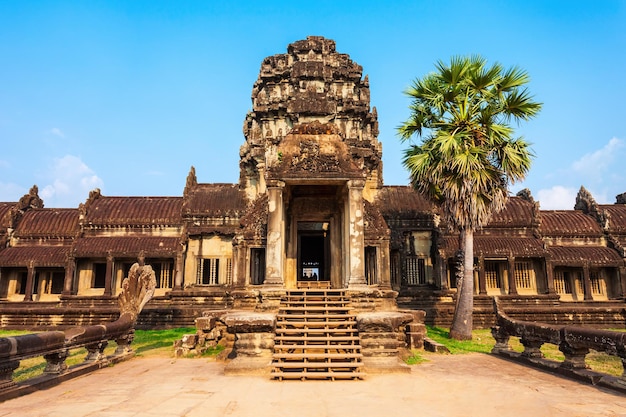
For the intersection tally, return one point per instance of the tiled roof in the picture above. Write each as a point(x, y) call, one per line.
point(578, 255)
point(517, 213)
point(121, 211)
point(497, 246)
point(48, 223)
point(617, 220)
point(402, 201)
point(126, 246)
point(215, 200)
point(568, 223)
point(20, 256)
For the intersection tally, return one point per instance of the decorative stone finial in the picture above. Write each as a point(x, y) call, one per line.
point(137, 290)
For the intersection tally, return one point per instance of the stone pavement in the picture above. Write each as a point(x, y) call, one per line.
point(447, 385)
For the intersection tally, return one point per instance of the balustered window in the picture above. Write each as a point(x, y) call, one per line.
point(523, 274)
point(596, 283)
point(562, 282)
point(209, 271)
point(415, 271)
point(492, 274)
point(163, 272)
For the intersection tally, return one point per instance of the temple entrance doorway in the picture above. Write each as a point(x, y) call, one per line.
point(313, 255)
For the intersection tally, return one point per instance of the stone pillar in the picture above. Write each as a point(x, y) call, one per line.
point(108, 277)
point(587, 282)
point(482, 279)
point(70, 267)
point(355, 237)
point(621, 279)
point(550, 275)
point(443, 270)
point(178, 277)
point(30, 277)
point(511, 273)
point(275, 249)
point(384, 273)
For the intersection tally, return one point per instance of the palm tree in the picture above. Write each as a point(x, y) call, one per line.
point(468, 156)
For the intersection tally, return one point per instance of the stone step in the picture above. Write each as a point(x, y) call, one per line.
point(312, 356)
point(314, 347)
point(313, 309)
point(345, 324)
point(307, 303)
point(306, 332)
point(305, 375)
point(316, 338)
point(319, 316)
point(318, 365)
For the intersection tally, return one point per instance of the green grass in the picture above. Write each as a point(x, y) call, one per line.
point(483, 342)
point(146, 343)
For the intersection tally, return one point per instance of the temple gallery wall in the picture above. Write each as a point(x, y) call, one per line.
point(310, 209)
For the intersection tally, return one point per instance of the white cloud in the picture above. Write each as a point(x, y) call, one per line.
point(595, 164)
point(10, 192)
point(70, 182)
point(557, 198)
point(57, 132)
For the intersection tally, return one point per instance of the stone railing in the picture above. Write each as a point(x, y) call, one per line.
point(574, 342)
point(55, 346)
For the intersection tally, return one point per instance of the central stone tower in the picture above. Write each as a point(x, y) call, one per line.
point(311, 161)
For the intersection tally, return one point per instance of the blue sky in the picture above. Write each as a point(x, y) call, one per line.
point(127, 96)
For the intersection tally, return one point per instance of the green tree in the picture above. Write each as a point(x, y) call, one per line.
point(467, 156)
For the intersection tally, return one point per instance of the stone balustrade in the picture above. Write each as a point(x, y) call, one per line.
point(574, 342)
point(55, 346)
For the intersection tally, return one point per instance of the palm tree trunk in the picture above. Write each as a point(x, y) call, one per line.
point(462, 323)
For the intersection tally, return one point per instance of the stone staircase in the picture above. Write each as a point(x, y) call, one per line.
point(316, 337)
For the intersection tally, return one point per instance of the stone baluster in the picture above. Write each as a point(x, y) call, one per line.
point(95, 351)
point(6, 373)
point(55, 362)
point(124, 342)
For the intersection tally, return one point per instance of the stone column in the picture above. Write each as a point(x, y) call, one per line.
point(275, 250)
point(443, 270)
point(621, 279)
point(587, 282)
point(70, 267)
point(511, 273)
point(384, 273)
point(30, 277)
point(178, 277)
point(549, 275)
point(482, 279)
point(355, 238)
point(108, 277)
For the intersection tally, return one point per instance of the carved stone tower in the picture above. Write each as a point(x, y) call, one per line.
point(312, 152)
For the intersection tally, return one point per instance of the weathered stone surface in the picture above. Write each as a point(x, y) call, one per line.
point(382, 321)
point(250, 322)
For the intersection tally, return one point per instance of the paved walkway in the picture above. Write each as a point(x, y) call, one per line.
point(447, 385)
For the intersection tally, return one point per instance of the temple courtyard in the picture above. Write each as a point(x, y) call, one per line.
point(445, 385)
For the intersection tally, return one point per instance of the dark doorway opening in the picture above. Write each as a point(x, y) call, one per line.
point(312, 265)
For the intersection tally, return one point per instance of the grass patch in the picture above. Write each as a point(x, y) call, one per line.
point(146, 343)
point(415, 359)
point(482, 342)
point(213, 351)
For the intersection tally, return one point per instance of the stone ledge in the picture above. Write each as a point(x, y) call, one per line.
point(431, 346)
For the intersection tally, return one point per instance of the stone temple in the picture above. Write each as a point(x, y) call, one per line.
point(310, 210)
